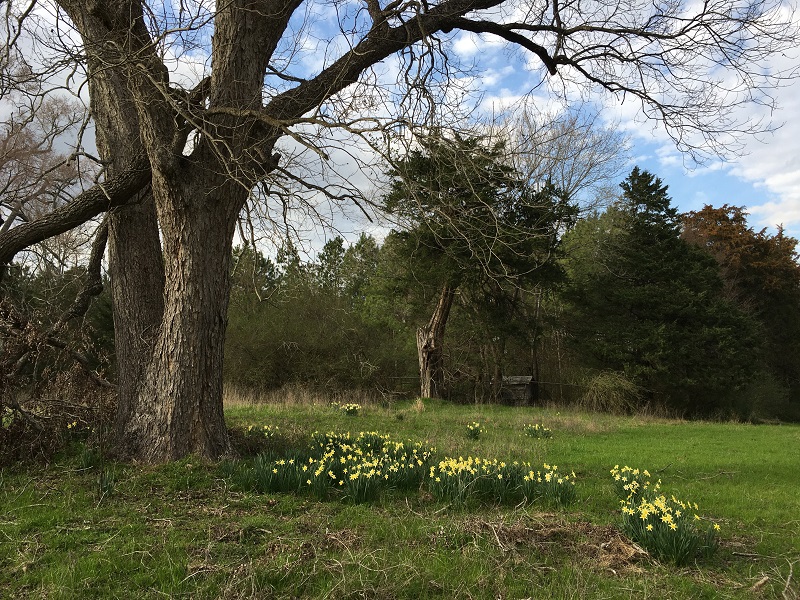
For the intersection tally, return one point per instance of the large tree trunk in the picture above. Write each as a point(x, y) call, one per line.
point(170, 313)
point(137, 292)
point(179, 408)
point(430, 346)
point(134, 249)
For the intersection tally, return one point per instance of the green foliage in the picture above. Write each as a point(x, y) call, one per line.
point(40, 298)
point(311, 324)
point(351, 409)
point(630, 482)
point(264, 431)
point(660, 312)
point(468, 221)
point(106, 482)
point(357, 468)
point(471, 217)
point(642, 302)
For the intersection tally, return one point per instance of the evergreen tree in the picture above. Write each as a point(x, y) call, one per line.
point(644, 303)
point(469, 221)
point(762, 276)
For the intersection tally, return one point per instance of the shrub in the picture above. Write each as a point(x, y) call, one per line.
point(612, 392)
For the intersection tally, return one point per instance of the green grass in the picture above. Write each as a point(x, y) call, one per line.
point(186, 531)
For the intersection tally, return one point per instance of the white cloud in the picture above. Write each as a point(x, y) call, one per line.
point(467, 45)
point(785, 212)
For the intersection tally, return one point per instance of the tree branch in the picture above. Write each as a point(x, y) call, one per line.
point(506, 32)
point(99, 198)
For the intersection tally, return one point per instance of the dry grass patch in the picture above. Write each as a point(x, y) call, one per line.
point(297, 395)
point(600, 548)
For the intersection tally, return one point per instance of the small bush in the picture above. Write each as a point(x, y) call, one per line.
point(610, 392)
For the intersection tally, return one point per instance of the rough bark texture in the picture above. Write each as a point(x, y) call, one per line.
point(134, 251)
point(179, 409)
point(176, 407)
point(430, 346)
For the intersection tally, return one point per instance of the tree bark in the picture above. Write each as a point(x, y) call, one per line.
point(430, 346)
point(134, 249)
point(496, 349)
point(178, 409)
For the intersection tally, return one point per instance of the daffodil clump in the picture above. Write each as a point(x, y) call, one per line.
point(457, 480)
point(265, 431)
point(537, 430)
point(668, 528)
point(631, 482)
point(364, 465)
point(78, 430)
point(474, 430)
point(357, 468)
point(350, 409)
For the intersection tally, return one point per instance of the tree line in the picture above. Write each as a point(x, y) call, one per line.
point(487, 274)
point(628, 307)
point(199, 115)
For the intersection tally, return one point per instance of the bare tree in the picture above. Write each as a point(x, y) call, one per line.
point(573, 149)
point(181, 160)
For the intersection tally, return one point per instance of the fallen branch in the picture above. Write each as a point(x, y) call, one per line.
point(786, 588)
point(760, 583)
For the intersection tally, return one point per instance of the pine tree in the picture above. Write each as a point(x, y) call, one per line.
point(645, 303)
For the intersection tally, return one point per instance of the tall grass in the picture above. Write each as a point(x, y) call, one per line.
point(298, 395)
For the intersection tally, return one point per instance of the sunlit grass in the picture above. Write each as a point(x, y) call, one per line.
point(189, 530)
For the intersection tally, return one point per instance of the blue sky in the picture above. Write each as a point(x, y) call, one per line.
point(764, 176)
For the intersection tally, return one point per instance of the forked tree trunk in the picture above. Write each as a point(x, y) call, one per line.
point(179, 409)
point(430, 346)
point(170, 312)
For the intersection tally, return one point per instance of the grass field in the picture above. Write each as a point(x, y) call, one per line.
point(80, 528)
